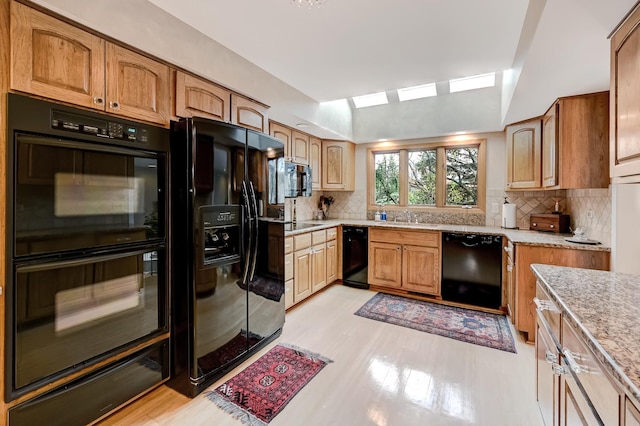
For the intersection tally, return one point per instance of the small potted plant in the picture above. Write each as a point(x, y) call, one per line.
point(324, 204)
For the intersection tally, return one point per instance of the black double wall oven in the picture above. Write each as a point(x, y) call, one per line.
point(87, 259)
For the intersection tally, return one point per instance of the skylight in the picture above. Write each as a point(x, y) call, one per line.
point(473, 82)
point(417, 92)
point(373, 99)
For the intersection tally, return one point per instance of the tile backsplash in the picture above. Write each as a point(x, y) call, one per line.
point(527, 203)
point(589, 209)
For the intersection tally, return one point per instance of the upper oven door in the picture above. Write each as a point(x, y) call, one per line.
point(71, 195)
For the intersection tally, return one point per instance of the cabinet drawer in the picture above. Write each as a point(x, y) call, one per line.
point(318, 237)
point(597, 385)
point(301, 241)
point(548, 310)
point(288, 245)
point(332, 233)
point(418, 238)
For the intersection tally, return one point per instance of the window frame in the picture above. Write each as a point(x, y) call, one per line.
point(441, 172)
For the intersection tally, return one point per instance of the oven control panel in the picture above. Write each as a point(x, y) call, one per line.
point(102, 128)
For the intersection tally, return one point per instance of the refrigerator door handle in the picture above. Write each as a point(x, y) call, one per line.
point(249, 250)
point(254, 255)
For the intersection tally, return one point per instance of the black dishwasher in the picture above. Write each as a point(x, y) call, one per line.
point(355, 256)
point(472, 269)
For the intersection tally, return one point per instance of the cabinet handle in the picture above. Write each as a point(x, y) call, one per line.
point(535, 224)
point(509, 268)
point(551, 226)
point(550, 357)
point(573, 364)
point(98, 101)
point(545, 305)
point(114, 105)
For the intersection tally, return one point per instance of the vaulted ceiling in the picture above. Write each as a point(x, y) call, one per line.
point(540, 49)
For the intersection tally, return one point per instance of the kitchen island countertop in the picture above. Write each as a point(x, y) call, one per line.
point(603, 307)
point(517, 236)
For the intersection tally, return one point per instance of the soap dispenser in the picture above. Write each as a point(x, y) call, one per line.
point(383, 215)
point(377, 215)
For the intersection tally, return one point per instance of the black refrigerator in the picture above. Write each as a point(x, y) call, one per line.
point(227, 285)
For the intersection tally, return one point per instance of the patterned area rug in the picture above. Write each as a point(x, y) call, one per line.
point(480, 328)
point(259, 392)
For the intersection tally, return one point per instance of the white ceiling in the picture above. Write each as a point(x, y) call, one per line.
point(554, 48)
point(354, 47)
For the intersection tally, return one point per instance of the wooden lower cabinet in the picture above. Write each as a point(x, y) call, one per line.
point(405, 260)
point(385, 264)
point(315, 263)
point(631, 414)
point(332, 261)
point(302, 275)
point(421, 269)
point(318, 267)
point(525, 282)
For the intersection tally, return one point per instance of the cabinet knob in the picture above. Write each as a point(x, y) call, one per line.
point(114, 105)
point(552, 226)
point(98, 101)
point(535, 224)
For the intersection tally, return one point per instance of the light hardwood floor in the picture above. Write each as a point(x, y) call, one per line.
point(382, 375)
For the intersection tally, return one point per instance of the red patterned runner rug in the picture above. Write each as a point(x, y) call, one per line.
point(479, 328)
point(259, 392)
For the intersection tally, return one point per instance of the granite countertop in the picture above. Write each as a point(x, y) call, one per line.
point(534, 238)
point(604, 307)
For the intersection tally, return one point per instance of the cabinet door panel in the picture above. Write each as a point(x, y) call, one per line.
point(302, 275)
point(56, 60)
point(523, 155)
point(550, 148)
point(315, 151)
point(318, 267)
point(547, 383)
point(332, 261)
point(300, 148)
point(137, 86)
point(282, 133)
point(421, 269)
point(248, 113)
point(38, 164)
point(199, 98)
point(385, 264)
point(625, 99)
point(338, 165)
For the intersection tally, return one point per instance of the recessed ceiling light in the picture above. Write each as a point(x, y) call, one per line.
point(417, 92)
point(372, 99)
point(473, 82)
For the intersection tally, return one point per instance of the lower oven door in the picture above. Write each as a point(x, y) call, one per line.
point(69, 314)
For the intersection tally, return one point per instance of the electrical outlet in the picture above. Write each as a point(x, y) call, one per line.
point(589, 214)
point(495, 208)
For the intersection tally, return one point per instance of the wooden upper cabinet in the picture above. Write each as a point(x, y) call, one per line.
point(523, 155)
point(55, 60)
point(338, 165)
point(315, 161)
point(625, 100)
point(248, 113)
point(282, 133)
point(299, 147)
point(582, 141)
point(550, 147)
point(137, 86)
point(199, 98)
